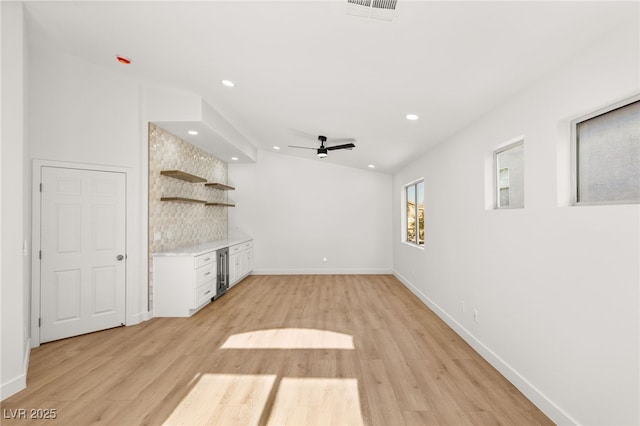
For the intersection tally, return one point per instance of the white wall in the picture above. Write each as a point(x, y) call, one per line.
point(84, 114)
point(81, 112)
point(14, 350)
point(300, 211)
point(556, 287)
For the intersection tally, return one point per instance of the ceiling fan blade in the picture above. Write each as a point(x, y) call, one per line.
point(337, 140)
point(345, 146)
point(302, 147)
point(306, 135)
point(302, 134)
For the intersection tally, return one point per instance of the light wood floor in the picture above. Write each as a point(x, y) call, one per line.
point(277, 350)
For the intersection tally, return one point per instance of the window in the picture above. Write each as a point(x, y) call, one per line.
point(606, 155)
point(509, 176)
point(414, 212)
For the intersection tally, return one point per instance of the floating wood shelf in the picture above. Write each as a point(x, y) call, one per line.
point(183, 200)
point(220, 204)
point(220, 186)
point(177, 174)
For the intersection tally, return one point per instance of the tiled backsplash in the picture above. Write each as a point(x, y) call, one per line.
point(173, 224)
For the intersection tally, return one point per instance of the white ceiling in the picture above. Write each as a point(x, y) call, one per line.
point(309, 67)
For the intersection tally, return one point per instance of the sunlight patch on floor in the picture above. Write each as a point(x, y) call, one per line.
point(316, 401)
point(224, 399)
point(289, 338)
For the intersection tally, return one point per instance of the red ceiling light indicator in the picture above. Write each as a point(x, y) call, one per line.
point(123, 60)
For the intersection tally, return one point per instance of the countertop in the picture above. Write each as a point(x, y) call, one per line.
point(201, 248)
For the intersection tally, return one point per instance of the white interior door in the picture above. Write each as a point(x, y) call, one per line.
point(83, 260)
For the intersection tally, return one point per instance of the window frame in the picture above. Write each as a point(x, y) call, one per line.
point(405, 215)
point(496, 173)
point(575, 196)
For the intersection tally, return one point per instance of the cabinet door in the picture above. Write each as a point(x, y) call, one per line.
point(234, 268)
point(249, 261)
point(242, 264)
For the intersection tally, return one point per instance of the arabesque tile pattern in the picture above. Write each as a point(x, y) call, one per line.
point(173, 224)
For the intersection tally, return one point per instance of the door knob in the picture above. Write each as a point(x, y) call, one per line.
point(120, 257)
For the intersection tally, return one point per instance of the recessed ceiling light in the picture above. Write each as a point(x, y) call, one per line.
point(228, 83)
point(371, 166)
point(276, 148)
point(412, 117)
point(193, 132)
point(123, 60)
point(235, 158)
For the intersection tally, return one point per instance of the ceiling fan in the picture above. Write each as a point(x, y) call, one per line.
point(323, 150)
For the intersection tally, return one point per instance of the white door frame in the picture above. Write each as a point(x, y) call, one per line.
point(36, 233)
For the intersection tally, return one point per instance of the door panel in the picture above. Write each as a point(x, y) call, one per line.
point(67, 296)
point(104, 290)
point(68, 232)
point(82, 234)
point(105, 237)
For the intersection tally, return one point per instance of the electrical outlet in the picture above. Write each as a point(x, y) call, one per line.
point(157, 236)
point(475, 315)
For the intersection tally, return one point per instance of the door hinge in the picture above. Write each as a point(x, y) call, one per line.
point(40, 254)
point(40, 186)
point(39, 322)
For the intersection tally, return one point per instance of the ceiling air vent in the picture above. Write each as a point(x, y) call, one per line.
point(374, 9)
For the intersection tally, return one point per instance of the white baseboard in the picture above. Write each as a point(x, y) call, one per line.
point(140, 317)
point(322, 272)
point(555, 413)
point(18, 383)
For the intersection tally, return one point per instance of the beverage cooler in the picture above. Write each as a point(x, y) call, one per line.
point(222, 282)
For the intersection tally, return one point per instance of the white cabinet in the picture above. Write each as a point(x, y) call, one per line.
point(183, 284)
point(240, 261)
